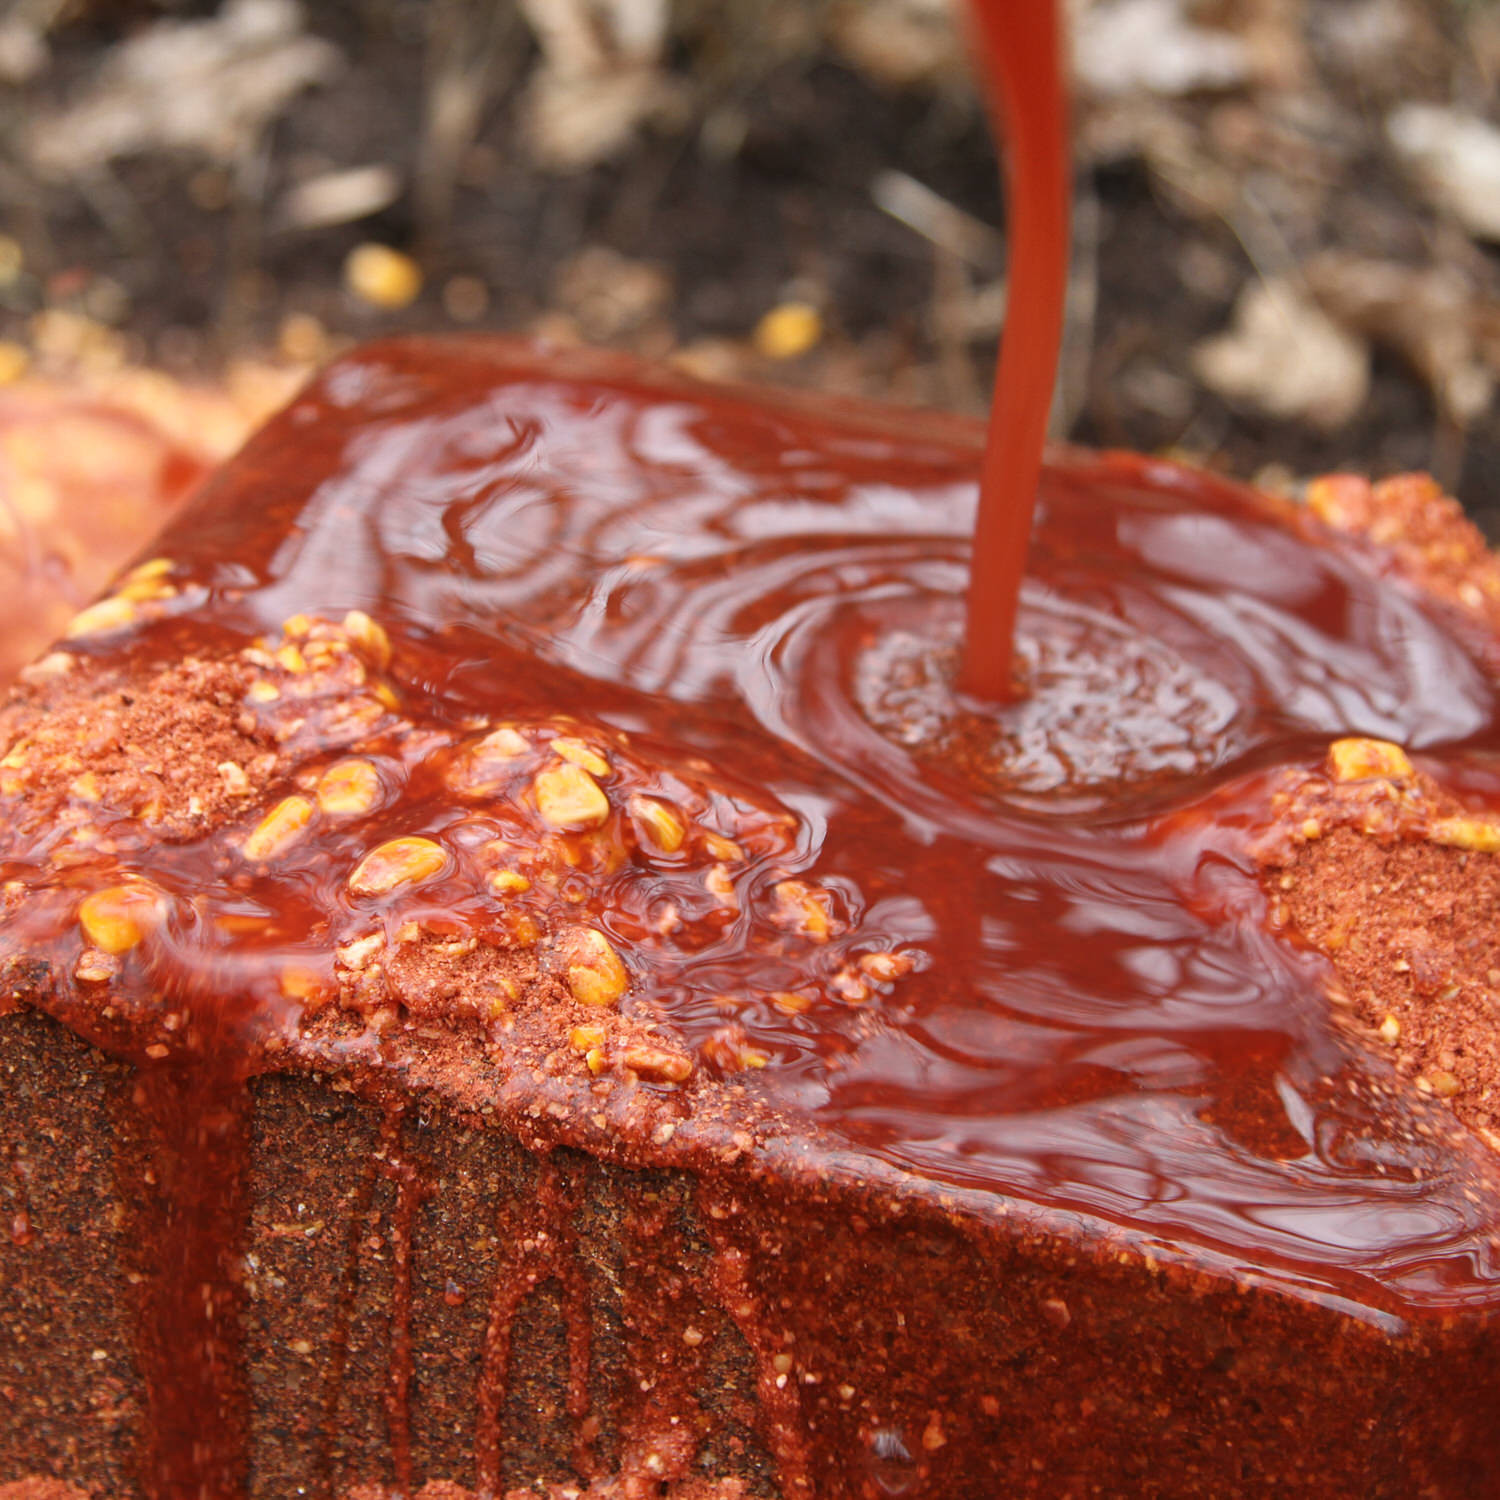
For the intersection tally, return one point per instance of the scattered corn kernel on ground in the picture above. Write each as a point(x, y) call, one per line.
point(1285, 219)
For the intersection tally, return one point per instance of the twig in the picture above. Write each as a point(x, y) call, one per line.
point(467, 43)
point(946, 225)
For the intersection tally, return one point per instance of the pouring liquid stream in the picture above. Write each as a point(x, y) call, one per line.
point(1019, 44)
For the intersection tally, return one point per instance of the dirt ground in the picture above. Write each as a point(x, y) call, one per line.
point(1286, 212)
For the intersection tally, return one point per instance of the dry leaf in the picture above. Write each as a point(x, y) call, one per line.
point(600, 78)
point(209, 87)
point(1431, 316)
point(899, 42)
point(1149, 46)
point(1284, 356)
point(1455, 158)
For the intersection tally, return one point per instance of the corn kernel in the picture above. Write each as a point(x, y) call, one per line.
point(290, 659)
point(509, 883)
point(383, 277)
point(145, 590)
point(299, 983)
point(568, 797)
point(94, 967)
point(282, 827)
point(503, 743)
point(85, 787)
point(884, 967)
point(1480, 835)
point(117, 918)
point(369, 636)
point(658, 824)
point(788, 331)
point(1360, 759)
point(803, 909)
point(657, 1062)
point(790, 1003)
point(585, 1038)
point(721, 848)
point(1390, 1031)
point(109, 614)
point(594, 970)
point(720, 884)
point(398, 862)
point(349, 787)
point(583, 755)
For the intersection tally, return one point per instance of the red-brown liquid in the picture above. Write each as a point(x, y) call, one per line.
point(1099, 1028)
point(1019, 47)
point(1099, 1024)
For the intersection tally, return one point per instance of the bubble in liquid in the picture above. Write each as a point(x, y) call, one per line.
point(1104, 705)
point(891, 1465)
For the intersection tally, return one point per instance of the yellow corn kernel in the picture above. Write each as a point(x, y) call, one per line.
point(657, 1062)
point(803, 909)
point(369, 636)
point(884, 967)
point(509, 883)
point(720, 885)
point(85, 787)
point(1444, 1084)
point(383, 277)
point(788, 331)
point(595, 973)
point(790, 1003)
point(145, 590)
point(117, 918)
point(580, 754)
point(109, 614)
point(1481, 835)
point(586, 1038)
point(278, 830)
point(94, 967)
point(299, 983)
point(657, 823)
point(349, 787)
point(398, 862)
point(568, 797)
point(1360, 759)
point(503, 743)
point(290, 658)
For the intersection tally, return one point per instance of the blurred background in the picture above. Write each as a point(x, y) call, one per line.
point(1287, 215)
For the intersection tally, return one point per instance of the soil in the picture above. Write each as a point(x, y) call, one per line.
point(188, 259)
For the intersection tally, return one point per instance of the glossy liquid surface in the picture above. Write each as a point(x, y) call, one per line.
point(1100, 1020)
